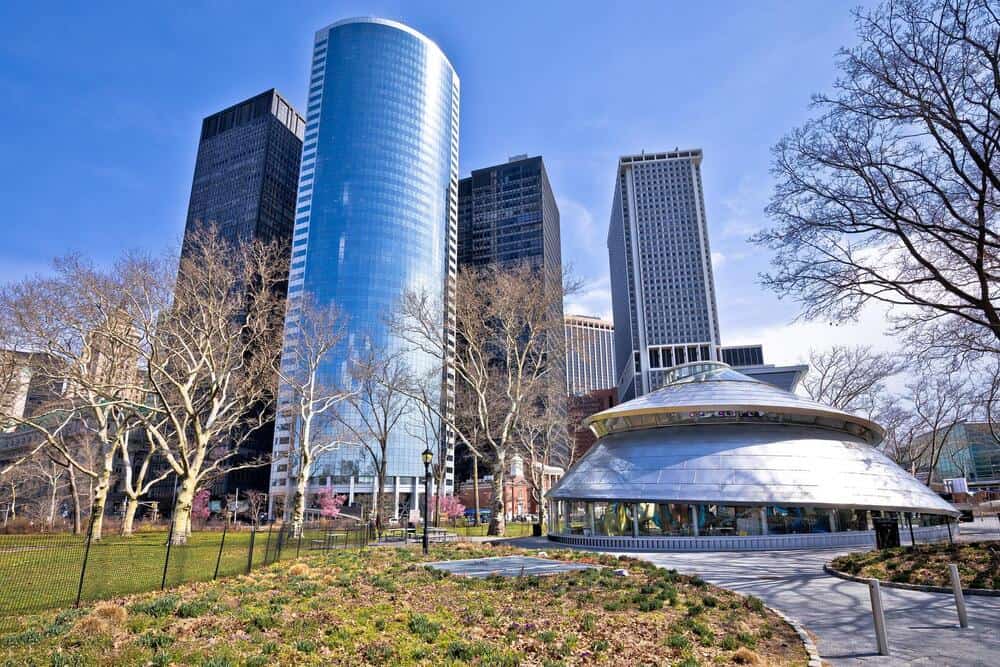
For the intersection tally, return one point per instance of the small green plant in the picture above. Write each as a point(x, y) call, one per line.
point(710, 601)
point(424, 628)
point(729, 643)
point(194, 608)
point(678, 641)
point(156, 640)
point(755, 604)
point(588, 622)
point(157, 607)
point(26, 638)
point(305, 646)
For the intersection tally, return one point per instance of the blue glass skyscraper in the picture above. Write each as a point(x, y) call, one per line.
point(376, 214)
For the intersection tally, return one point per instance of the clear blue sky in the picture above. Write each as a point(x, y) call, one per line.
point(100, 109)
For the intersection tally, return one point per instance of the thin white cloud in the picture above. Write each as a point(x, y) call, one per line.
point(791, 343)
point(718, 259)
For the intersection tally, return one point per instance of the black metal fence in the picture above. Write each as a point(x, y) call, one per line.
point(47, 571)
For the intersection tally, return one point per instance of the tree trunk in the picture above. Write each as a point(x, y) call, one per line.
point(181, 520)
point(101, 494)
point(498, 522)
point(131, 505)
point(539, 526)
point(299, 501)
point(97, 509)
point(77, 519)
point(52, 506)
point(377, 501)
point(475, 487)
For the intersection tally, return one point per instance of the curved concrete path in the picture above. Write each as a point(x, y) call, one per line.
point(923, 627)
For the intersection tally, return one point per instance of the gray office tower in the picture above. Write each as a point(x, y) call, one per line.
point(245, 183)
point(662, 289)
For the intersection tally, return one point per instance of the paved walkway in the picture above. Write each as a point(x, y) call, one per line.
point(923, 627)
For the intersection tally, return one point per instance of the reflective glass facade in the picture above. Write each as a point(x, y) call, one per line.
point(377, 204)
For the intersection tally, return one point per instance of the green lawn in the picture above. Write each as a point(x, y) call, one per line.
point(39, 572)
point(513, 530)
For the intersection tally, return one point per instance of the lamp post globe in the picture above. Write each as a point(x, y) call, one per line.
point(427, 456)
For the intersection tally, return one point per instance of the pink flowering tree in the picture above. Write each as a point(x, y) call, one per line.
point(448, 507)
point(329, 504)
point(199, 506)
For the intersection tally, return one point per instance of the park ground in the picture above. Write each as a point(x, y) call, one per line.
point(922, 627)
point(383, 606)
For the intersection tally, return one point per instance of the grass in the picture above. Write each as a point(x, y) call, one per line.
point(331, 609)
point(39, 572)
point(978, 564)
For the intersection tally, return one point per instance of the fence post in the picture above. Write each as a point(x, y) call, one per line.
point(956, 587)
point(86, 557)
point(267, 545)
point(950, 539)
point(878, 614)
point(253, 534)
point(170, 541)
point(222, 545)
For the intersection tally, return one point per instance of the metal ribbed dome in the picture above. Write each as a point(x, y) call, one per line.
point(714, 435)
point(705, 392)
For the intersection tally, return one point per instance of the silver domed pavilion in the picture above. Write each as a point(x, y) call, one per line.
point(718, 460)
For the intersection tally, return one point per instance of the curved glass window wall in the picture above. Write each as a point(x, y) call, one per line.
point(645, 519)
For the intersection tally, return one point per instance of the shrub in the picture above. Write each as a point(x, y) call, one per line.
point(678, 641)
point(193, 608)
point(157, 607)
point(754, 604)
point(91, 625)
point(298, 570)
point(588, 622)
point(305, 646)
point(729, 643)
point(424, 628)
point(745, 656)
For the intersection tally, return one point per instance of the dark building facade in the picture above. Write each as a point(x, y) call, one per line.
point(245, 183)
point(507, 213)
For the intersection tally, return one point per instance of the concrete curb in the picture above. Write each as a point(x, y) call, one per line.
point(807, 643)
point(909, 587)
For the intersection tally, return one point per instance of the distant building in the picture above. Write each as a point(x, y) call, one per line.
point(743, 355)
point(590, 354)
point(23, 389)
point(969, 450)
point(749, 360)
point(581, 407)
point(518, 501)
point(662, 287)
point(245, 179)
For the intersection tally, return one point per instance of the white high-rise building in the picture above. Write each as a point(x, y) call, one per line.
point(590, 354)
point(662, 288)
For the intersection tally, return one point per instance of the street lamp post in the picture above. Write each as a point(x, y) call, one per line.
point(427, 457)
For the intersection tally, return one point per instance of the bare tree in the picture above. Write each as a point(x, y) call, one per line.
point(891, 193)
point(80, 330)
point(509, 339)
point(426, 391)
point(208, 358)
point(379, 402)
point(139, 476)
point(543, 441)
point(51, 477)
point(307, 395)
point(256, 502)
point(850, 378)
point(938, 399)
